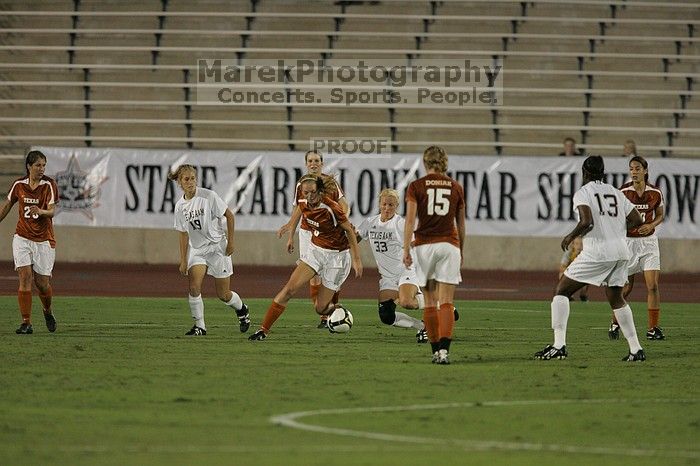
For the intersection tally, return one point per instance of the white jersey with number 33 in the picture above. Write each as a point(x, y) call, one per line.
point(609, 208)
point(386, 241)
point(202, 218)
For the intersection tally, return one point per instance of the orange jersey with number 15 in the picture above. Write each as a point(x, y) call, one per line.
point(30, 226)
point(438, 199)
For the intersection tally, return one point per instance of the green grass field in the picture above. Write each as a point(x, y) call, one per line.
point(118, 383)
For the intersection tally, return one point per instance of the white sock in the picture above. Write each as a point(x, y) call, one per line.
point(235, 302)
point(405, 321)
point(626, 320)
point(560, 317)
point(421, 300)
point(197, 310)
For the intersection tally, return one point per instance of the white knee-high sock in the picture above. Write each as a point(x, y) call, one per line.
point(560, 317)
point(406, 321)
point(197, 310)
point(626, 320)
point(235, 302)
point(421, 300)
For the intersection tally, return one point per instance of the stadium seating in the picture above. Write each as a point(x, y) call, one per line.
point(81, 73)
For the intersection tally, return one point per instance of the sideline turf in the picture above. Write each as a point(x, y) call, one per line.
point(118, 383)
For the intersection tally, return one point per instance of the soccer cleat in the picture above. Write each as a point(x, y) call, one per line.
point(456, 315)
point(550, 352)
point(258, 336)
point(443, 357)
point(638, 356)
point(24, 329)
point(436, 357)
point(244, 319)
point(196, 331)
point(614, 331)
point(50, 322)
point(655, 334)
point(584, 297)
point(323, 324)
point(422, 336)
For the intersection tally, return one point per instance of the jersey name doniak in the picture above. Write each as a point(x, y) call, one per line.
point(192, 214)
point(438, 183)
point(29, 200)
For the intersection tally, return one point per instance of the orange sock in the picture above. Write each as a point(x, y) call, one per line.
point(447, 320)
point(313, 291)
point(46, 300)
point(273, 313)
point(336, 297)
point(430, 320)
point(25, 306)
point(653, 315)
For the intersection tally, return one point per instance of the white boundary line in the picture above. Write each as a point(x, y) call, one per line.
point(291, 420)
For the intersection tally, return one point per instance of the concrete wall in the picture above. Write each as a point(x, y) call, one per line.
point(80, 244)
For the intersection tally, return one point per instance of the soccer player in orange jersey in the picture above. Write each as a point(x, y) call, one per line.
point(314, 166)
point(332, 251)
point(438, 202)
point(644, 244)
point(33, 246)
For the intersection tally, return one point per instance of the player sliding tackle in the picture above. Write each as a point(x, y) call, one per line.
point(332, 250)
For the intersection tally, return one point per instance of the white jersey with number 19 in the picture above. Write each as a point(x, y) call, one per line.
point(609, 208)
point(202, 218)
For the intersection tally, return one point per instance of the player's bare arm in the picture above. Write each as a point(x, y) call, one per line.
point(634, 219)
point(230, 227)
point(184, 244)
point(461, 232)
point(658, 218)
point(35, 210)
point(344, 205)
point(583, 226)
point(5, 209)
point(354, 248)
point(291, 225)
point(411, 208)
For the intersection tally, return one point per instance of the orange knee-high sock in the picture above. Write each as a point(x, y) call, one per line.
point(273, 313)
point(46, 300)
point(25, 306)
point(336, 297)
point(653, 315)
point(432, 327)
point(446, 317)
point(313, 291)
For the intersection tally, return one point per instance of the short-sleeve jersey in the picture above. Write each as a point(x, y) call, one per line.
point(438, 199)
point(609, 209)
point(336, 196)
point(34, 228)
point(646, 204)
point(386, 241)
point(202, 218)
point(325, 221)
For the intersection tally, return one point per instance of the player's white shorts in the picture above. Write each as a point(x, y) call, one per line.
point(304, 241)
point(332, 267)
point(393, 282)
point(41, 256)
point(438, 261)
point(219, 265)
point(644, 254)
point(610, 273)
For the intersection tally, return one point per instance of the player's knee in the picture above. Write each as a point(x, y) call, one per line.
point(407, 303)
point(195, 291)
point(387, 311)
point(653, 287)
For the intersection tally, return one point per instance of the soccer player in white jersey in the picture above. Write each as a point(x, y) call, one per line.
point(605, 214)
point(206, 227)
point(398, 282)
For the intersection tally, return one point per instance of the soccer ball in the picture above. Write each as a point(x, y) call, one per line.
point(340, 320)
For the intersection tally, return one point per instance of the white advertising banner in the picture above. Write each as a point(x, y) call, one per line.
point(505, 196)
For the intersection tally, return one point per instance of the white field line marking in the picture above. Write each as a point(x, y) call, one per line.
point(469, 308)
point(291, 420)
